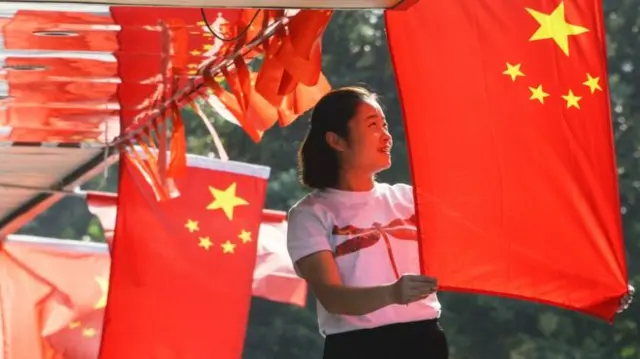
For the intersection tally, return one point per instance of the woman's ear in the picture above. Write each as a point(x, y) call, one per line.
point(336, 142)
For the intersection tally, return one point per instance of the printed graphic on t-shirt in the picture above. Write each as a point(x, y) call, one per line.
point(361, 238)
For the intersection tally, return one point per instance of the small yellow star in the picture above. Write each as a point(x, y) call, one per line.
point(513, 71)
point(192, 225)
point(103, 283)
point(226, 200)
point(88, 332)
point(200, 23)
point(195, 53)
point(245, 236)
point(75, 324)
point(592, 83)
point(572, 100)
point(205, 242)
point(207, 47)
point(192, 66)
point(555, 26)
point(228, 247)
point(538, 93)
point(206, 34)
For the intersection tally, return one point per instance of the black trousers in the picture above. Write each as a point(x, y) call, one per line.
point(414, 340)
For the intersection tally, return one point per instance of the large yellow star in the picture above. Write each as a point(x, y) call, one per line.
point(572, 100)
point(228, 247)
point(192, 225)
point(103, 283)
point(226, 200)
point(537, 93)
point(593, 83)
point(245, 236)
point(554, 26)
point(513, 71)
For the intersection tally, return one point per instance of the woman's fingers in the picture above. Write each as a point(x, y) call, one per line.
point(412, 287)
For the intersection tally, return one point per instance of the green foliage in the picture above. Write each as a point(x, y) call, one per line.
point(355, 52)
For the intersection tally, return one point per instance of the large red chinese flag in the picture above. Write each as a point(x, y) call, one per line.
point(274, 277)
point(508, 125)
point(182, 269)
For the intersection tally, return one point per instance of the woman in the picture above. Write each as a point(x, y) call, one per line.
point(354, 240)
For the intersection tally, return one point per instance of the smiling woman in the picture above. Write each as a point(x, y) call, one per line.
point(354, 240)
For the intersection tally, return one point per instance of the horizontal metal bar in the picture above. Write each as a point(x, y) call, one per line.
point(291, 4)
point(43, 200)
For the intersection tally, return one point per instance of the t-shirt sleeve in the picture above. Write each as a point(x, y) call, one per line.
point(405, 192)
point(306, 233)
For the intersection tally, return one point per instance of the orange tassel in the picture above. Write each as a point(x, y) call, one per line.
point(301, 51)
point(179, 37)
point(178, 164)
point(146, 169)
point(161, 132)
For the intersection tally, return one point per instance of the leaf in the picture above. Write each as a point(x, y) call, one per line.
point(548, 323)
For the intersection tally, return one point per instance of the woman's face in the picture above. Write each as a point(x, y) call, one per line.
point(368, 148)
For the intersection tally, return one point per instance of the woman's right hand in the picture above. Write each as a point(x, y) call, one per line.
point(413, 287)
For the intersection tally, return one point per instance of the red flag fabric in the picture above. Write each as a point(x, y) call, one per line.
point(508, 125)
point(20, 331)
point(182, 269)
point(61, 109)
point(53, 297)
point(274, 277)
point(80, 339)
point(141, 42)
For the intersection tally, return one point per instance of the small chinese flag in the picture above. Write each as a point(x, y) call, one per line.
point(508, 123)
point(53, 297)
point(142, 50)
point(21, 299)
point(182, 270)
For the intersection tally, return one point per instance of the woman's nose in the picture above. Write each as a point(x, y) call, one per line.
point(386, 137)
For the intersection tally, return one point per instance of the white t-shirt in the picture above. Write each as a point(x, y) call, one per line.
point(373, 237)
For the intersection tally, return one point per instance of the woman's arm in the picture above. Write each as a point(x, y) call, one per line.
point(321, 273)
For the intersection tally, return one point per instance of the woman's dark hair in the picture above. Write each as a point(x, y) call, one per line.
point(318, 163)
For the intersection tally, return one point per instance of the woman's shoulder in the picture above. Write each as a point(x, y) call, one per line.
point(402, 189)
point(308, 206)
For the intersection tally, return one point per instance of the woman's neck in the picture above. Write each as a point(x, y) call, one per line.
point(355, 182)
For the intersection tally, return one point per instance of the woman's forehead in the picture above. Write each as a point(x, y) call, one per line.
point(369, 108)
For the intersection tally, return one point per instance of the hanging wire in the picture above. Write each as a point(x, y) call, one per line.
point(240, 35)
